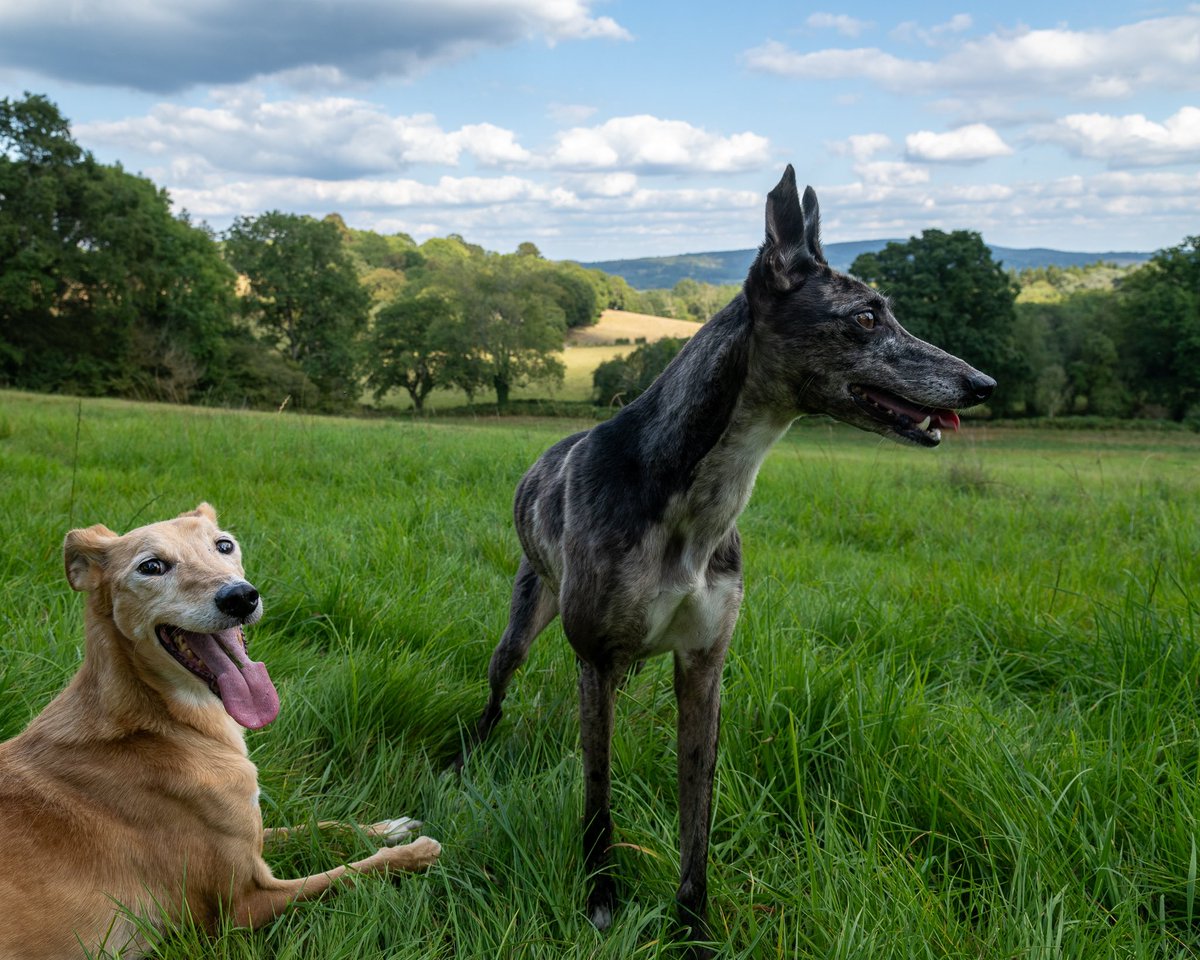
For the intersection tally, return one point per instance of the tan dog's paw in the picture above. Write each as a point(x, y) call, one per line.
point(421, 853)
point(391, 832)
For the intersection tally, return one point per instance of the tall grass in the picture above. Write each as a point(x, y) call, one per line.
point(960, 711)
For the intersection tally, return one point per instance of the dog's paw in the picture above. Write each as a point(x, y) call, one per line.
point(421, 853)
point(391, 832)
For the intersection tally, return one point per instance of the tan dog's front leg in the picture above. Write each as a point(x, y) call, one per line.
point(266, 902)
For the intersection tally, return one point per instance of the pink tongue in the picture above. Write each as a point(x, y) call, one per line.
point(937, 418)
point(246, 690)
point(944, 418)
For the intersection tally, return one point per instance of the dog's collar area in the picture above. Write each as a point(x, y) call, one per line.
point(913, 421)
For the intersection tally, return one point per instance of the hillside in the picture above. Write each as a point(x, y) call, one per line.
point(730, 266)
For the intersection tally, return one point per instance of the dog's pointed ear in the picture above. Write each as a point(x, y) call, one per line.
point(203, 509)
point(793, 246)
point(85, 553)
point(812, 226)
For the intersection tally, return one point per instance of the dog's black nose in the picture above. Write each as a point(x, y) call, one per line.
point(979, 386)
point(237, 599)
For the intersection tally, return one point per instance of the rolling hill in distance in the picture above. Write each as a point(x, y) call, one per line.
point(730, 266)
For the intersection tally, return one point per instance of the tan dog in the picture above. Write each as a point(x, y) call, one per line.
point(133, 788)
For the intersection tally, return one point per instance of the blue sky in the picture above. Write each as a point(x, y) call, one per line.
point(601, 130)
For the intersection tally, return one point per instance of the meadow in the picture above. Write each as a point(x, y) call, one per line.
point(960, 710)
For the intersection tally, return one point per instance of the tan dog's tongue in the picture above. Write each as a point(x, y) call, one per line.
point(246, 689)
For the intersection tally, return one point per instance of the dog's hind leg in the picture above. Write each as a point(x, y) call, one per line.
point(533, 607)
point(698, 692)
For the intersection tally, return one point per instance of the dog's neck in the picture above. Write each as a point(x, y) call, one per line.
point(710, 420)
point(113, 696)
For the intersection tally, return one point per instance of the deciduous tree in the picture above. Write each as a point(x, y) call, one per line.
point(304, 291)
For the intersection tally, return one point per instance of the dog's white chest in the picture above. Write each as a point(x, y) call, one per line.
point(691, 618)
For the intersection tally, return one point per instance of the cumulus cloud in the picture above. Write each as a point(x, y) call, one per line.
point(170, 46)
point(843, 24)
point(648, 144)
point(861, 146)
point(1162, 52)
point(327, 136)
point(1127, 141)
point(975, 141)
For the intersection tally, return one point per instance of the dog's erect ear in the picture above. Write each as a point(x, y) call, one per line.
point(203, 510)
point(793, 244)
point(812, 226)
point(84, 554)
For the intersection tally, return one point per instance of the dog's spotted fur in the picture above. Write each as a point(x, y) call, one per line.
point(629, 529)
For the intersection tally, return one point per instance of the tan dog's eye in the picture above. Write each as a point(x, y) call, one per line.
point(224, 546)
point(866, 318)
point(152, 567)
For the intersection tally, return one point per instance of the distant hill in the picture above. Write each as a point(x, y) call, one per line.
point(730, 266)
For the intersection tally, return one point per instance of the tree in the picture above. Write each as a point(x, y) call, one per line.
point(1160, 311)
point(304, 291)
point(511, 324)
point(102, 288)
point(947, 289)
point(623, 379)
point(413, 345)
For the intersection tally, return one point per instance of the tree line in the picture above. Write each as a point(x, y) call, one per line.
point(105, 290)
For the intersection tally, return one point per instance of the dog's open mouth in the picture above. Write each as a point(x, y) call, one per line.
point(912, 421)
point(220, 660)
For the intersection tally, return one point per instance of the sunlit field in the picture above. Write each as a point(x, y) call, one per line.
point(960, 710)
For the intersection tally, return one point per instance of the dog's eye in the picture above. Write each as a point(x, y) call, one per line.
point(224, 546)
point(152, 567)
point(865, 318)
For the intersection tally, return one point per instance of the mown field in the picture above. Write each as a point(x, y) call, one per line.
point(960, 712)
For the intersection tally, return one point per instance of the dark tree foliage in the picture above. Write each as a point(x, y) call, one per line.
point(305, 293)
point(622, 379)
point(947, 289)
point(413, 346)
point(510, 324)
point(1160, 309)
point(102, 289)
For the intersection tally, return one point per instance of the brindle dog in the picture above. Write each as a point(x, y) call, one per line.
point(629, 529)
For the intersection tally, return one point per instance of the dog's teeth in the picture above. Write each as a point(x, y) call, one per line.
point(924, 424)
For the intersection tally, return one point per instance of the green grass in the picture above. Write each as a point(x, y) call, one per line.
point(960, 711)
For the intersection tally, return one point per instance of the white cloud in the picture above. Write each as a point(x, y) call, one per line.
point(861, 146)
point(1128, 141)
point(1162, 52)
point(649, 144)
point(976, 141)
point(910, 30)
point(164, 47)
point(327, 136)
point(891, 173)
point(843, 24)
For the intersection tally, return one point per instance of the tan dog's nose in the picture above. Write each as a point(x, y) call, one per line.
point(238, 599)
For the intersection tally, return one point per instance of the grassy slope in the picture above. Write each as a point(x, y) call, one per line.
point(960, 710)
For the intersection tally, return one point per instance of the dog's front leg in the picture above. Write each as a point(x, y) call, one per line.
point(272, 896)
point(698, 692)
point(597, 690)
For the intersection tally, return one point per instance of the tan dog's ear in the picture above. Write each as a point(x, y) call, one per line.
point(203, 510)
point(84, 553)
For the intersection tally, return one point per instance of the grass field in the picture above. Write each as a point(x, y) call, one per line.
point(960, 711)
